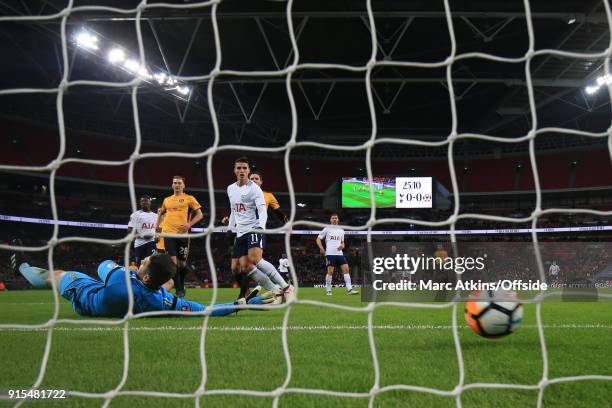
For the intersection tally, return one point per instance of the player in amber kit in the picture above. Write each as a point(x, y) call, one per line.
point(178, 213)
point(271, 201)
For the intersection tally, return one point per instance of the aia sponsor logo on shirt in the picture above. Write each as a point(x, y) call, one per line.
point(239, 207)
point(334, 238)
point(147, 225)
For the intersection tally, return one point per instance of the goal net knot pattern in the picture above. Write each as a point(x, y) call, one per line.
point(287, 73)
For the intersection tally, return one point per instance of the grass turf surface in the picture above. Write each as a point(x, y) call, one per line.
point(361, 199)
point(329, 350)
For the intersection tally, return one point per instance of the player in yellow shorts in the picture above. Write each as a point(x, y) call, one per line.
point(178, 213)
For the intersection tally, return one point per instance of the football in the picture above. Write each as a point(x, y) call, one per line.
point(493, 313)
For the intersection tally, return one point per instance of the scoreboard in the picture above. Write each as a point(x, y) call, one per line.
point(388, 192)
point(413, 192)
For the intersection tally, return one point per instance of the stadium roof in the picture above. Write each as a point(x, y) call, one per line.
point(332, 105)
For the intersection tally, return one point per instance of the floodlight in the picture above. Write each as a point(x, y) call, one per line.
point(144, 73)
point(160, 77)
point(116, 55)
point(87, 40)
point(591, 89)
point(132, 65)
point(183, 90)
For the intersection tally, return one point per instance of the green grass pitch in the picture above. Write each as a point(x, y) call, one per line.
point(329, 350)
point(361, 199)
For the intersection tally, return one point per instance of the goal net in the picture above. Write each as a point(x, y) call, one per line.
point(287, 74)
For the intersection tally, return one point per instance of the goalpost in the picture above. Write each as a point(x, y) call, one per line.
point(287, 73)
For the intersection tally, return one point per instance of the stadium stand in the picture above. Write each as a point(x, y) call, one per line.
point(557, 170)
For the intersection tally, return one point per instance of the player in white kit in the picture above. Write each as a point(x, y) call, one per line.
point(248, 211)
point(553, 270)
point(283, 267)
point(143, 221)
point(334, 244)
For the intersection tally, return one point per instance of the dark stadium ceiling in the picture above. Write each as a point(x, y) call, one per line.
point(411, 103)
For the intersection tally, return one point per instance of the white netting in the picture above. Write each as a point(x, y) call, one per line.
point(287, 148)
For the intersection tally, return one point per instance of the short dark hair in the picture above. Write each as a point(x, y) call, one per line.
point(145, 197)
point(178, 177)
point(160, 269)
point(334, 213)
point(257, 172)
point(243, 159)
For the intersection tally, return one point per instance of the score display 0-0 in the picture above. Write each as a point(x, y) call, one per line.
point(413, 192)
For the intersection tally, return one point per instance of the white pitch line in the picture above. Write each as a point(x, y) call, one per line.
point(300, 328)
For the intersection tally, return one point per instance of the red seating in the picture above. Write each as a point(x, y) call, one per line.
point(594, 169)
point(39, 146)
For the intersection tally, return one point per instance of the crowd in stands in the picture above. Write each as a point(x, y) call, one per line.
point(557, 170)
point(95, 203)
point(310, 265)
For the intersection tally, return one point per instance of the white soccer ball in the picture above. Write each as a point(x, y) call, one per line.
point(493, 313)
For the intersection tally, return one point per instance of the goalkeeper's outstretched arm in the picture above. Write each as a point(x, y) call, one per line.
point(145, 284)
point(223, 309)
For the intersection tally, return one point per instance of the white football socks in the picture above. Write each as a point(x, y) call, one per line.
point(328, 282)
point(261, 279)
point(347, 281)
point(269, 269)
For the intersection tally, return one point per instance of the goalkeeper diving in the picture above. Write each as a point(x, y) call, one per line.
point(108, 296)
